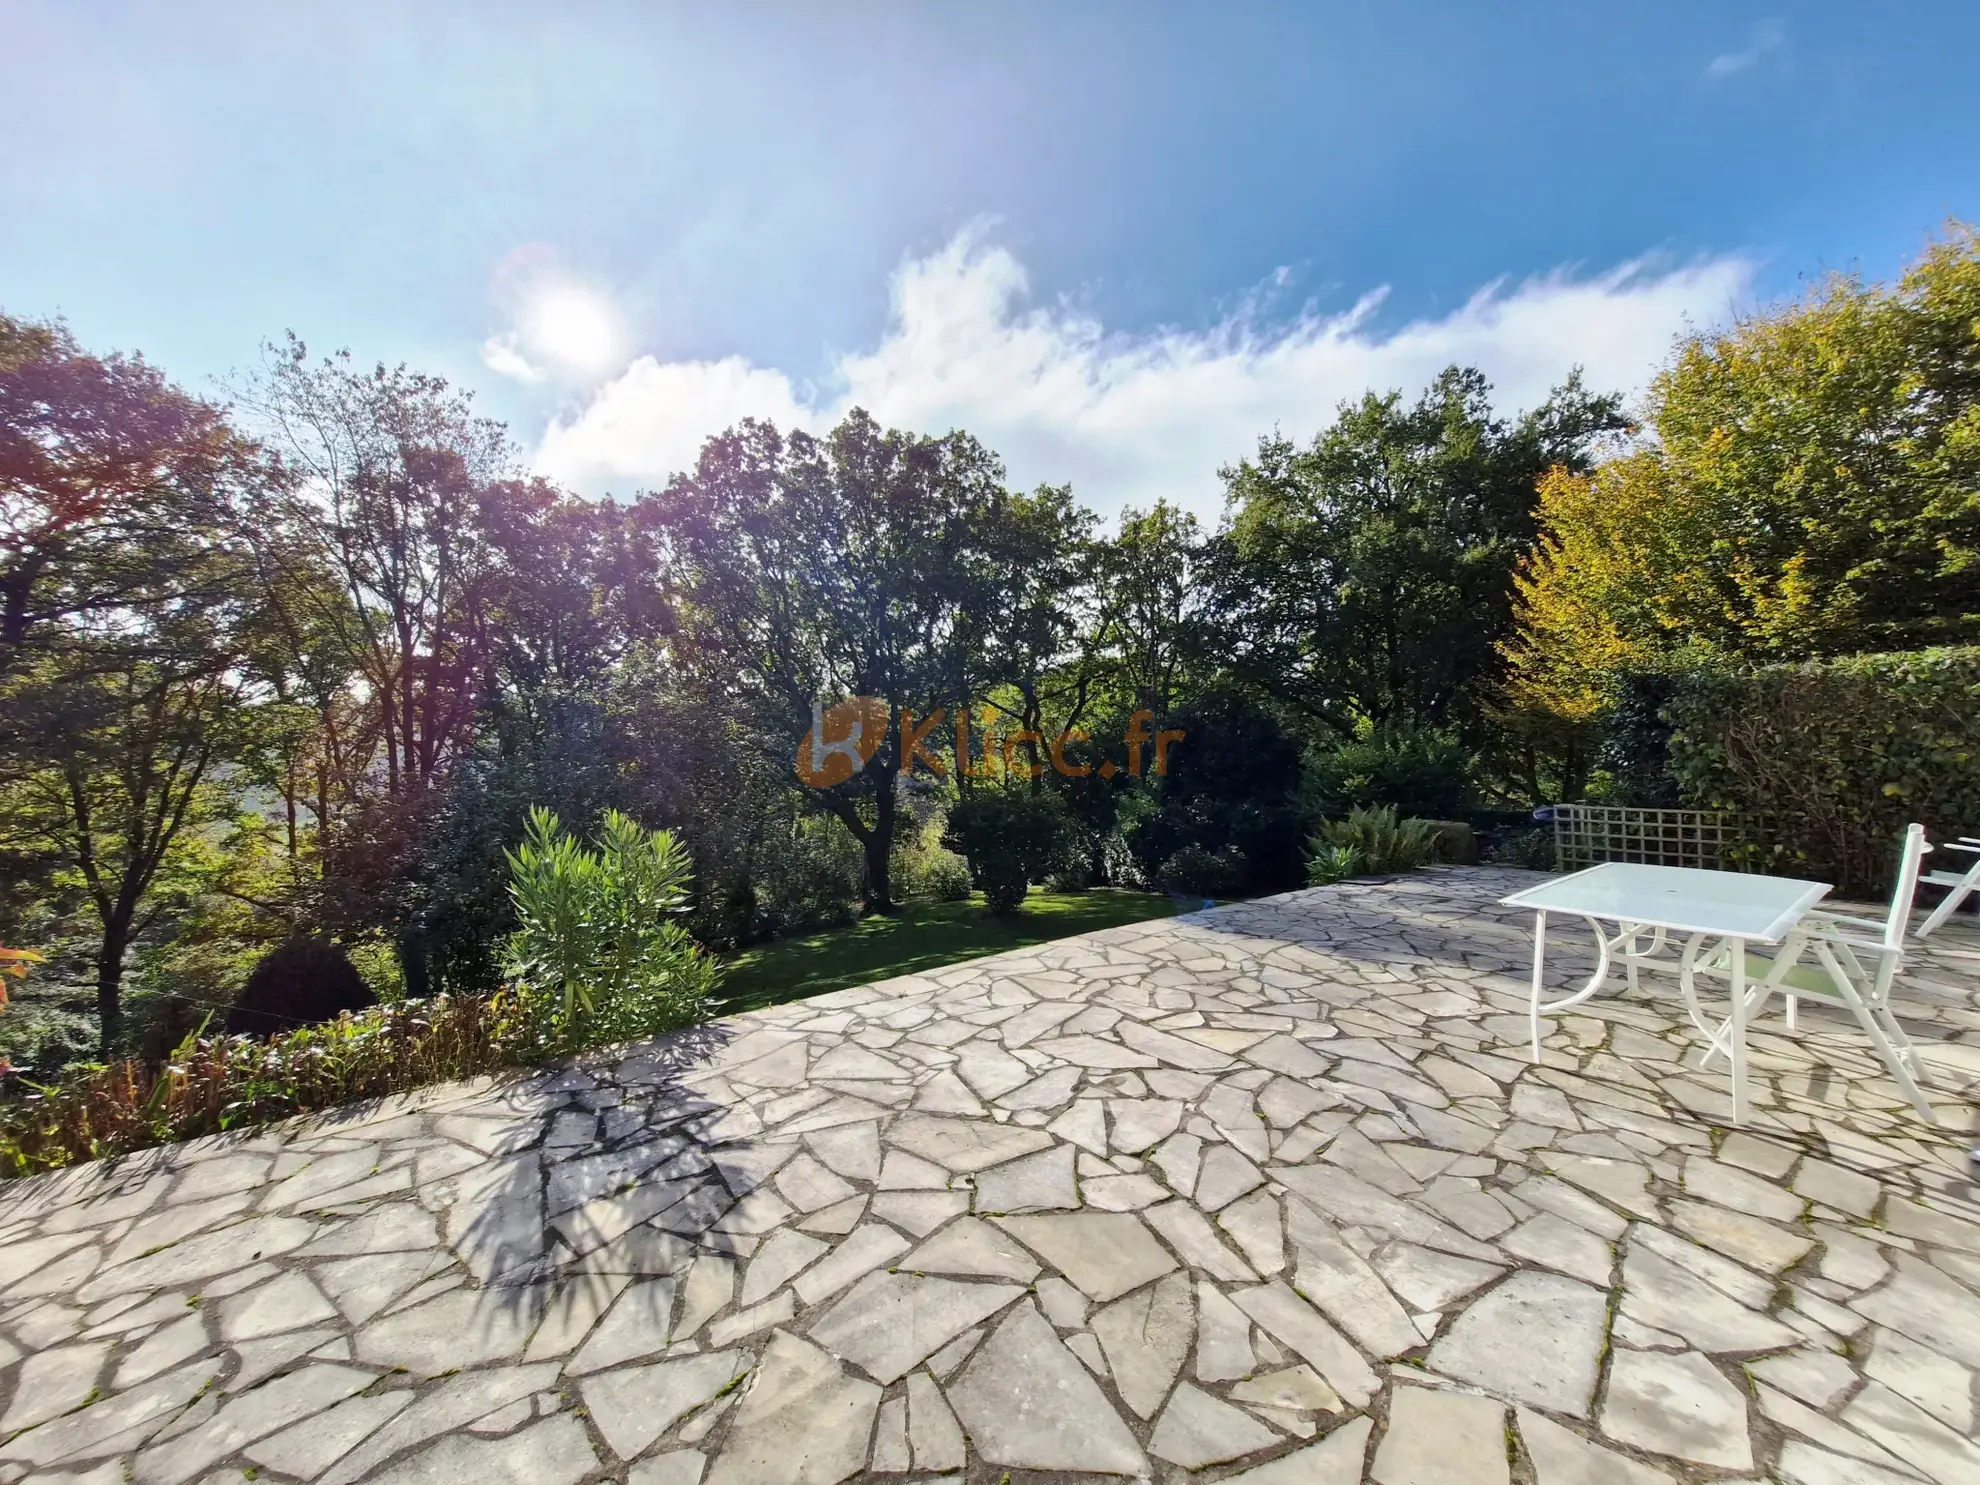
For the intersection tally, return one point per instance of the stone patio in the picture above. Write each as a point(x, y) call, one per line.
point(1267, 1193)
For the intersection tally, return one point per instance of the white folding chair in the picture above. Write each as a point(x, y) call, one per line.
point(1856, 960)
point(1959, 883)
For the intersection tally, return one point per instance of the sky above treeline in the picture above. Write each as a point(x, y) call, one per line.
point(1118, 241)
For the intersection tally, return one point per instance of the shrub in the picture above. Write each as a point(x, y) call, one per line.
point(1195, 872)
point(810, 882)
point(1331, 863)
point(1232, 785)
point(1844, 753)
point(303, 980)
point(597, 956)
point(1381, 842)
point(1410, 768)
point(942, 876)
point(1011, 838)
point(211, 1084)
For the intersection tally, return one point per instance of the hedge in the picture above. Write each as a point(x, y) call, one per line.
point(1844, 752)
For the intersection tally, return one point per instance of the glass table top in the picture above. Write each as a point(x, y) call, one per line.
point(1735, 904)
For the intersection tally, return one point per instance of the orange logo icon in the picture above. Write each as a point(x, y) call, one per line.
point(842, 740)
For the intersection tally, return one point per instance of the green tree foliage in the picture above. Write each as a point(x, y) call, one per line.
point(1230, 790)
point(858, 564)
point(1369, 576)
point(596, 949)
point(128, 599)
point(1842, 753)
point(1011, 838)
point(1811, 488)
point(1420, 769)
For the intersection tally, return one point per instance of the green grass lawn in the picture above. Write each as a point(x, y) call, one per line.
point(920, 937)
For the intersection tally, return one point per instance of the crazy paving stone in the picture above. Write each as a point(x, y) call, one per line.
point(1676, 1405)
point(1535, 1339)
point(553, 1452)
point(635, 1405)
point(1105, 1253)
point(802, 1421)
point(1563, 1457)
point(1290, 1320)
point(1146, 1336)
point(887, 1324)
point(1442, 1438)
point(1196, 1430)
point(1033, 1183)
point(1028, 1404)
point(1334, 1277)
point(1335, 1460)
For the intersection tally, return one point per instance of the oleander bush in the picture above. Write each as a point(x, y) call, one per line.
point(1844, 753)
point(599, 954)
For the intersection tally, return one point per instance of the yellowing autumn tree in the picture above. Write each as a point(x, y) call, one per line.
point(1808, 485)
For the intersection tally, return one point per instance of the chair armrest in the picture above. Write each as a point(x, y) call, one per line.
point(1962, 844)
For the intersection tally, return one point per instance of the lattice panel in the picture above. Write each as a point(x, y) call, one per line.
point(1716, 840)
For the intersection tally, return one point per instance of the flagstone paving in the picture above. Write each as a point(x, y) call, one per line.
point(1268, 1193)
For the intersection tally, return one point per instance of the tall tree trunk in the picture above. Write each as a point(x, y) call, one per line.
point(879, 847)
point(110, 980)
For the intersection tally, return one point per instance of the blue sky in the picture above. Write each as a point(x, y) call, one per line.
point(1119, 240)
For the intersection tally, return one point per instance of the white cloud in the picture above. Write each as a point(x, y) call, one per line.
point(1767, 37)
point(502, 354)
point(1130, 418)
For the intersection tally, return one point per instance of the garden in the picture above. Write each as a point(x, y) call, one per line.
point(340, 755)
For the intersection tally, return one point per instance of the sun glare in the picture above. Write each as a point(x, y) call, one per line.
point(572, 325)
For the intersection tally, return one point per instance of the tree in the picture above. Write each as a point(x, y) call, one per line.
point(1369, 576)
point(1149, 628)
point(127, 598)
point(1041, 568)
point(386, 471)
point(857, 564)
point(1811, 488)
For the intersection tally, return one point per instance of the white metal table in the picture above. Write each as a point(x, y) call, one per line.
point(1651, 907)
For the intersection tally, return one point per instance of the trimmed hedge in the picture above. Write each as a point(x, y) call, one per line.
point(1845, 752)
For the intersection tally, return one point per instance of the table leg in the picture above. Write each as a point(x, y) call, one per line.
point(1539, 965)
point(1737, 954)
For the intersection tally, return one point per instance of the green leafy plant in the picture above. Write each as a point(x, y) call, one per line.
point(1011, 838)
point(943, 876)
point(1417, 768)
point(214, 1083)
point(1532, 849)
point(1842, 753)
point(596, 955)
point(1381, 842)
point(1196, 872)
point(1331, 863)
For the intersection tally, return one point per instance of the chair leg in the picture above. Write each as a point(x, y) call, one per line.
point(1756, 1002)
point(1955, 895)
point(1884, 1033)
point(1792, 1006)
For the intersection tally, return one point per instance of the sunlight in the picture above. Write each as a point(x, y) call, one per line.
point(573, 325)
